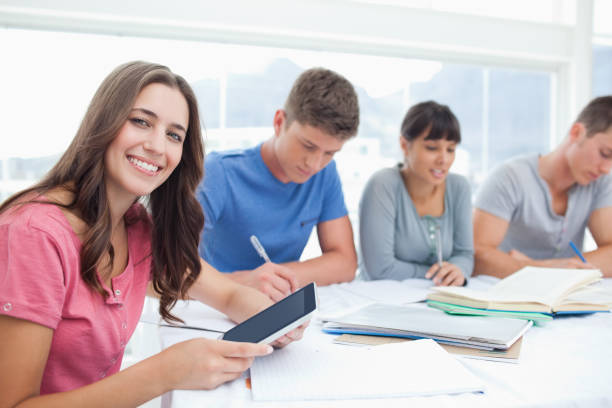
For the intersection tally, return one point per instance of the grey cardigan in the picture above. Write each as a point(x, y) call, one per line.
point(396, 243)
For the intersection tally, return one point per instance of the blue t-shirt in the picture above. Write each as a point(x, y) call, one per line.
point(241, 197)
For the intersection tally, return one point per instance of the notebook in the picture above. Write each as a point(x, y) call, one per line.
point(506, 356)
point(471, 311)
point(418, 321)
point(532, 290)
point(303, 372)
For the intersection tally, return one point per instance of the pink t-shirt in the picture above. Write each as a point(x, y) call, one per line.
point(40, 281)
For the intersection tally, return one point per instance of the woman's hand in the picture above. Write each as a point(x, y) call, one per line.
point(238, 301)
point(446, 275)
point(293, 335)
point(205, 363)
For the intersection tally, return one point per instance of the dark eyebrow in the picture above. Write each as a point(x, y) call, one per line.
point(153, 114)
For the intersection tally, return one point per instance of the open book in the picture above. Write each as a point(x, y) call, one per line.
point(532, 289)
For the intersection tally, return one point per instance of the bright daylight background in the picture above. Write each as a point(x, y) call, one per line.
point(510, 96)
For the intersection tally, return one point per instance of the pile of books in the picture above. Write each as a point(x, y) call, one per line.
point(530, 293)
point(490, 322)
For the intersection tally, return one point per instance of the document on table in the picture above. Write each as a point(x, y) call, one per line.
point(340, 298)
point(302, 372)
point(406, 291)
point(507, 356)
point(196, 315)
point(418, 321)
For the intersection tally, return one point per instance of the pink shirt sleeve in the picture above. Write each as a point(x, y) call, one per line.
point(31, 274)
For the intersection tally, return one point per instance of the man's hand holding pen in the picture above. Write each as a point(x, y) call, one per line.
point(276, 281)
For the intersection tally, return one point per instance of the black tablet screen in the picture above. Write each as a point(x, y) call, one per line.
point(274, 318)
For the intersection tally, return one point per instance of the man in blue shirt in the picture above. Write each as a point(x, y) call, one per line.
point(282, 188)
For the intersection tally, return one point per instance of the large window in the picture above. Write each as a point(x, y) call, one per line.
point(602, 69)
point(602, 48)
point(503, 112)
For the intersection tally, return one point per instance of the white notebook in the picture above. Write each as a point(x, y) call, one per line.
point(422, 321)
point(303, 372)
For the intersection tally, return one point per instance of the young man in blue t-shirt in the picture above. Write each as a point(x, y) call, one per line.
point(279, 190)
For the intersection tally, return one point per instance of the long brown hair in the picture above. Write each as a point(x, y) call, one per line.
point(176, 214)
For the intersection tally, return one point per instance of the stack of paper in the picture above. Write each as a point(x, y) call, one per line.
point(303, 372)
point(507, 356)
point(418, 321)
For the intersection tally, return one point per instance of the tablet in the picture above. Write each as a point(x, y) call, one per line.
point(277, 320)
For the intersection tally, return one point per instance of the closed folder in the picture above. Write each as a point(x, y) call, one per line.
point(419, 321)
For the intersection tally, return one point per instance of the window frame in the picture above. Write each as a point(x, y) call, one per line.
point(346, 26)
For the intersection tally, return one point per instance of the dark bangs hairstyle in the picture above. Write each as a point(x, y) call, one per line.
point(177, 217)
point(437, 120)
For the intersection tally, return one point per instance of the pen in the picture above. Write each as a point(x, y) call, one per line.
point(577, 251)
point(259, 248)
point(439, 245)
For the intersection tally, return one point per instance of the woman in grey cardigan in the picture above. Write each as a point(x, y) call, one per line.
point(416, 218)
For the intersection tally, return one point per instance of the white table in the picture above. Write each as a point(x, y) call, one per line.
point(566, 362)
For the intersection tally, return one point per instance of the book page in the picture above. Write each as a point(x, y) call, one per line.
point(543, 285)
point(463, 292)
point(303, 372)
point(599, 297)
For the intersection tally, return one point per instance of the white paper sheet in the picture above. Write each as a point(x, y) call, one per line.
point(196, 315)
point(303, 372)
point(407, 291)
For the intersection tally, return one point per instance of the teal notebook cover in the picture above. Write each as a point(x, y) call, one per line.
point(473, 311)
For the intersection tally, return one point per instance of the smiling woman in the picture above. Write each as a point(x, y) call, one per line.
point(68, 312)
point(149, 145)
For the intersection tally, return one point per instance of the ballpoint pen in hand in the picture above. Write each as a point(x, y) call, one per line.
point(259, 248)
point(577, 251)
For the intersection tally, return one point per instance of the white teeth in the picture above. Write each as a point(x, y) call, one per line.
point(143, 165)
